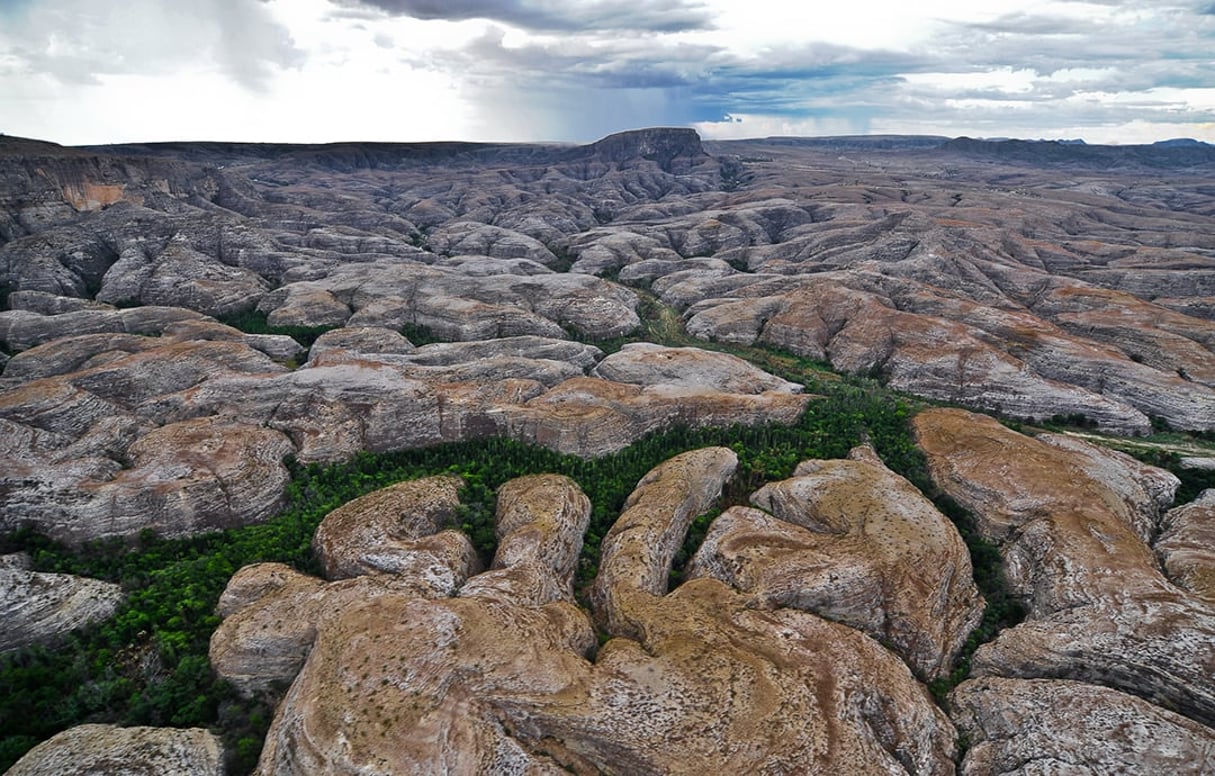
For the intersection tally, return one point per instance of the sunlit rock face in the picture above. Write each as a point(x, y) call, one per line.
point(505, 676)
point(855, 543)
point(137, 751)
point(1074, 523)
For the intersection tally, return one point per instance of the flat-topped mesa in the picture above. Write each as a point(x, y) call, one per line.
point(673, 148)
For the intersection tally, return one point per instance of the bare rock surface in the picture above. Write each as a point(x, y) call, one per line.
point(644, 363)
point(504, 676)
point(638, 550)
point(1186, 546)
point(398, 530)
point(1021, 726)
point(86, 750)
point(585, 415)
point(855, 543)
point(88, 413)
point(1100, 609)
point(38, 608)
point(183, 479)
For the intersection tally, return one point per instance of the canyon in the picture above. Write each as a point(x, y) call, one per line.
point(185, 327)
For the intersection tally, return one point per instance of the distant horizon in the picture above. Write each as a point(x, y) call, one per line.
point(318, 71)
point(945, 137)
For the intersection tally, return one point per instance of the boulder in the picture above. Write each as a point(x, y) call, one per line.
point(134, 751)
point(38, 608)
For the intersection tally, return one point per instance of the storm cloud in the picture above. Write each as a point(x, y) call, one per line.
point(556, 15)
point(575, 70)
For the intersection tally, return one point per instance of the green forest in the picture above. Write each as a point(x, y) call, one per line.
point(148, 664)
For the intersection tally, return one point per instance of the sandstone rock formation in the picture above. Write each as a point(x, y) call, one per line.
point(1186, 546)
point(38, 608)
point(1060, 726)
point(398, 530)
point(505, 676)
point(97, 422)
point(133, 751)
point(1031, 280)
point(1068, 522)
point(855, 543)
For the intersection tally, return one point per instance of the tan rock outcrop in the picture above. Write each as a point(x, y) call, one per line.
point(855, 543)
point(1100, 610)
point(399, 530)
point(643, 363)
point(500, 678)
point(590, 417)
point(86, 750)
point(636, 553)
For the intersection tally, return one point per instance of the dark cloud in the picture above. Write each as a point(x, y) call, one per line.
point(577, 84)
point(556, 15)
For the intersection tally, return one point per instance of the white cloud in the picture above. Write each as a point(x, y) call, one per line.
point(79, 71)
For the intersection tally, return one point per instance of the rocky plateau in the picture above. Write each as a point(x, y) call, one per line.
point(180, 321)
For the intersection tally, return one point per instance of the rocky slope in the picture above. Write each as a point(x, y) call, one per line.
point(1027, 280)
point(502, 674)
point(1075, 525)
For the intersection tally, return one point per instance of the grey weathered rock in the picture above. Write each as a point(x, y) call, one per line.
point(86, 750)
point(454, 305)
point(644, 363)
point(1186, 546)
point(38, 608)
point(184, 277)
point(183, 479)
point(360, 340)
point(1019, 726)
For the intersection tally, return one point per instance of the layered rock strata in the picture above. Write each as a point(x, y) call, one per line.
point(1073, 525)
point(505, 676)
point(135, 751)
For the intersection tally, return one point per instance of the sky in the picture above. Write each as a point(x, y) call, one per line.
point(88, 72)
